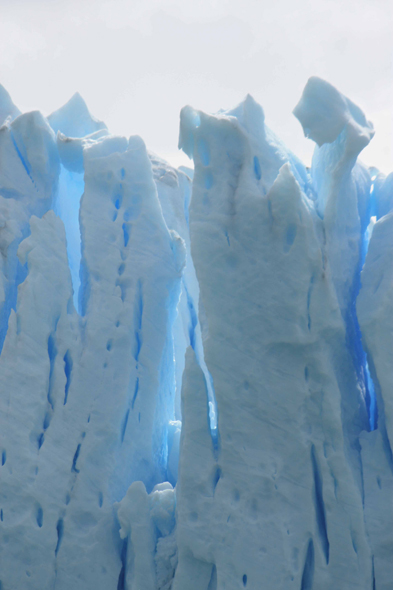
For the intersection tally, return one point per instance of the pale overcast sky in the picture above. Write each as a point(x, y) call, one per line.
point(138, 62)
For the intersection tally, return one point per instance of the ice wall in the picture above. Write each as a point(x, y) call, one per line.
point(99, 387)
point(279, 483)
point(196, 373)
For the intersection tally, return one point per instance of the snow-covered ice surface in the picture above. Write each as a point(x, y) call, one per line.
point(196, 366)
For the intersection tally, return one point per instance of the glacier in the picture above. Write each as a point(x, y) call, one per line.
point(196, 365)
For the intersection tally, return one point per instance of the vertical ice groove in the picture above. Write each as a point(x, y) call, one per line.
point(319, 504)
point(52, 354)
point(136, 390)
point(75, 130)
point(25, 163)
point(308, 569)
point(40, 516)
point(309, 293)
point(68, 366)
point(124, 425)
point(365, 208)
point(197, 346)
point(174, 192)
point(67, 203)
point(213, 580)
point(193, 321)
point(123, 571)
point(138, 316)
point(60, 532)
point(75, 459)
point(374, 584)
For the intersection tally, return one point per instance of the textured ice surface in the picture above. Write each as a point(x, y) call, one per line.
point(196, 367)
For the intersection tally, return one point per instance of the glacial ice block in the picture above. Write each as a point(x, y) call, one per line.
point(100, 390)
point(71, 149)
point(35, 471)
point(147, 523)
point(174, 193)
point(137, 527)
point(275, 346)
point(71, 187)
point(324, 113)
point(248, 119)
point(29, 162)
point(382, 194)
point(241, 288)
point(342, 187)
point(378, 504)
point(132, 269)
point(13, 226)
point(29, 171)
point(375, 311)
point(195, 496)
point(76, 129)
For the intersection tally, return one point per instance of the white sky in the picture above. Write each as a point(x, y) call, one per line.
point(138, 62)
